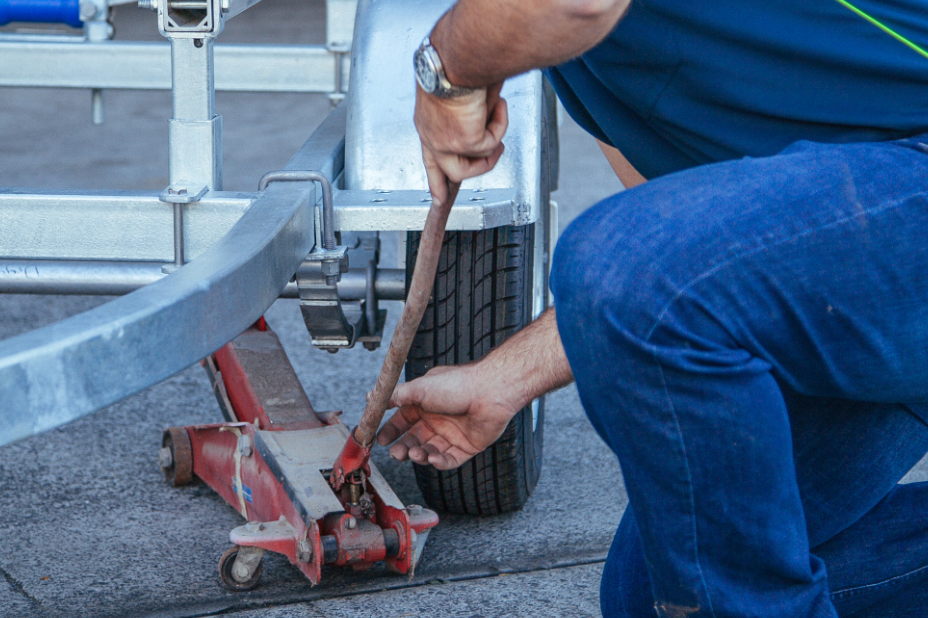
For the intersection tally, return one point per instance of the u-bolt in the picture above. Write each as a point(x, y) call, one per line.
point(328, 207)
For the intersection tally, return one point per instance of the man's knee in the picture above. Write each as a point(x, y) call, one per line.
point(604, 265)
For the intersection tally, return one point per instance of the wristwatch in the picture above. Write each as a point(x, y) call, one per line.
point(431, 75)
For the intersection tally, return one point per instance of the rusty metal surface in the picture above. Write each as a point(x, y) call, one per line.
point(273, 380)
point(180, 470)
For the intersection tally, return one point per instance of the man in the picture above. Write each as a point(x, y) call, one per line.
point(748, 330)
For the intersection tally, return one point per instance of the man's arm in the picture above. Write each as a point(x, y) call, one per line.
point(483, 42)
point(452, 413)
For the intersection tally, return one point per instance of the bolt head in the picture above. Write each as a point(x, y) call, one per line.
point(88, 10)
point(352, 523)
point(241, 572)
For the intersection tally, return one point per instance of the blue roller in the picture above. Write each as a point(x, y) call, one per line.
point(47, 11)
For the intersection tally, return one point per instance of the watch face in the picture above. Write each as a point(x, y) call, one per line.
point(426, 74)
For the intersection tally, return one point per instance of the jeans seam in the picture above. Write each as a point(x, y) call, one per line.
point(758, 250)
point(848, 592)
point(689, 484)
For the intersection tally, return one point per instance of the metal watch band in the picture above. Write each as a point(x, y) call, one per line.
point(431, 74)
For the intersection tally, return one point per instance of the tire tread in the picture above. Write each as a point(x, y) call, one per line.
point(482, 290)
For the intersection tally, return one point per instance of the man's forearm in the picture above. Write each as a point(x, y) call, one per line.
point(483, 42)
point(531, 363)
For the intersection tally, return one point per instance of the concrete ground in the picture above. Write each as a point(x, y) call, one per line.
point(87, 525)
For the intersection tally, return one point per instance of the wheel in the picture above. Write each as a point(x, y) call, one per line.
point(486, 289)
point(176, 457)
point(226, 562)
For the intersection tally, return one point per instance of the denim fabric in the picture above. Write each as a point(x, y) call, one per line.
point(680, 83)
point(751, 340)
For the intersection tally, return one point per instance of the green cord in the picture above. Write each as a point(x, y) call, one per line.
point(884, 28)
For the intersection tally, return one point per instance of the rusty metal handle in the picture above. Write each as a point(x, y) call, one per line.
point(420, 289)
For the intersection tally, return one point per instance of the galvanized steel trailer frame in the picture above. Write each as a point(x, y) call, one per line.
point(198, 265)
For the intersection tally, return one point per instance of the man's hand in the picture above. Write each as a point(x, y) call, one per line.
point(452, 413)
point(447, 416)
point(461, 136)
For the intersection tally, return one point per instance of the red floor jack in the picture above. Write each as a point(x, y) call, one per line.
point(303, 482)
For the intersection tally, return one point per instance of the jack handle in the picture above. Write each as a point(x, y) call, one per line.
point(357, 450)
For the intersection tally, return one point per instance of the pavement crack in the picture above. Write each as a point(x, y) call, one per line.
point(432, 579)
point(18, 587)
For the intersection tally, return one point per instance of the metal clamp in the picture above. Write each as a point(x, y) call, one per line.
point(336, 323)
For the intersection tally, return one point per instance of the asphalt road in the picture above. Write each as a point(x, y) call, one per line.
point(87, 525)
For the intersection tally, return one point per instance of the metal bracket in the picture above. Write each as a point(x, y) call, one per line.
point(183, 193)
point(178, 194)
point(335, 324)
point(332, 326)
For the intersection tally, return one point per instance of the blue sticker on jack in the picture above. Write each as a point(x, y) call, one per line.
point(246, 492)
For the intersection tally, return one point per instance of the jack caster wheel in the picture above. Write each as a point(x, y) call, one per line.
point(250, 570)
point(176, 457)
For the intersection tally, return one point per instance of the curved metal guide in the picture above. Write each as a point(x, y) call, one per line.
point(56, 374)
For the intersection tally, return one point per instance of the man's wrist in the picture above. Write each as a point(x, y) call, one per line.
point(431, 75)
point(498, 379)
point(526, 366)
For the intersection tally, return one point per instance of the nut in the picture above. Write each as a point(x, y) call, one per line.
point(165, 458)
point(331, 268)
point(304, 551)
point(352, 523)
point(242, 573)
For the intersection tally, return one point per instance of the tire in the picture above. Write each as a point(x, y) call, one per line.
point(483, 294)
point(226, 562)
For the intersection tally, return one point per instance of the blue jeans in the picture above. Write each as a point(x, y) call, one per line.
point(751, 340)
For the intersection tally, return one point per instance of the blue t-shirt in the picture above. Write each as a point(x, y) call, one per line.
point(680, 83)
